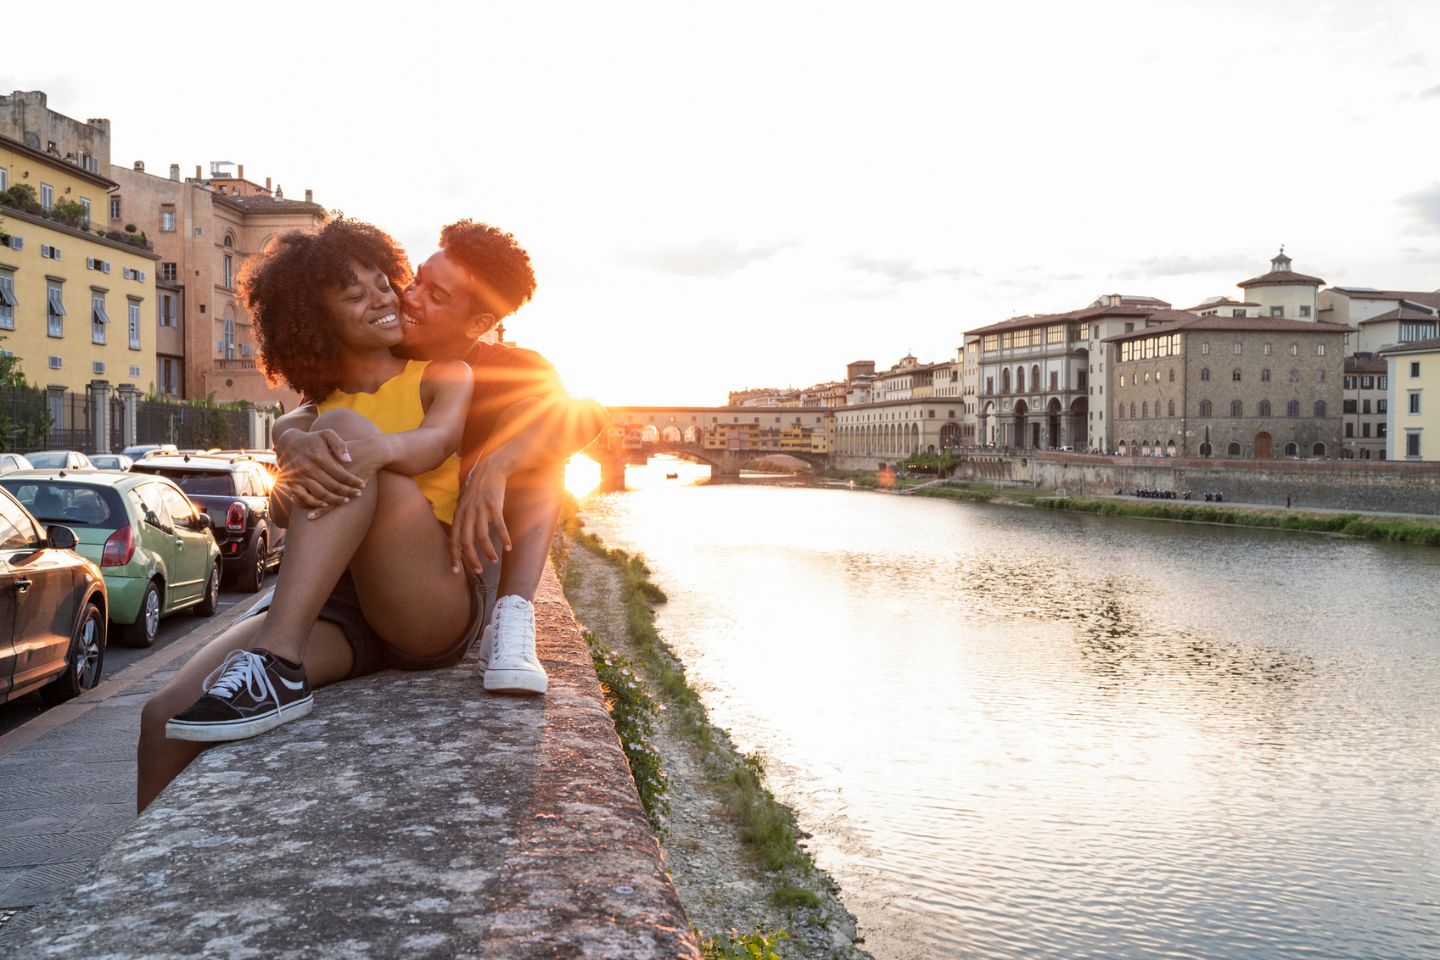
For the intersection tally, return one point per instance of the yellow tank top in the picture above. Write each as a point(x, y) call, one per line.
point(395, 407)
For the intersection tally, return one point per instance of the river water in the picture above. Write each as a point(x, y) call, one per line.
point(1017, 733)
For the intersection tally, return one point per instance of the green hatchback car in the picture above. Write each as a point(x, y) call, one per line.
point(156, 551)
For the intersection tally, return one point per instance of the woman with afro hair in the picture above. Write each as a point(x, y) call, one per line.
point(327, 315)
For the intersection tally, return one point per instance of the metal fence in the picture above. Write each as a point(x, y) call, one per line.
point(32, 418)
point(191, 426)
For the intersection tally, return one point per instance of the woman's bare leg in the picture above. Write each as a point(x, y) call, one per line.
point(394, 547)
point(160, 759)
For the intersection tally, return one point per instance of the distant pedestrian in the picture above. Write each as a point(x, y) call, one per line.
point(1287, 501)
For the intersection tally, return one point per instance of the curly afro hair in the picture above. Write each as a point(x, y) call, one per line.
point(283, 289)
point(498, 264)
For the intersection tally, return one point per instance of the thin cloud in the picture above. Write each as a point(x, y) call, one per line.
point(1414, 60)
point(1184, 264)
point(714, 257)
point(1424, 207)
point(1430, 93)
point(906, 270)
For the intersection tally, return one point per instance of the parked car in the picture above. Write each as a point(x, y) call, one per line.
point(267, 458)
point(13, 461)
point(155, 550)
point(142, 450)
point(111, 461)
point(52, 610)
point(59, 460)
point(235, 491)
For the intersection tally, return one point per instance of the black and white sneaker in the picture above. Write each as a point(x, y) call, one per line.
point(251, 692)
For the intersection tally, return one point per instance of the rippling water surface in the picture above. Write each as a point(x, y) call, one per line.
point(1023, 734)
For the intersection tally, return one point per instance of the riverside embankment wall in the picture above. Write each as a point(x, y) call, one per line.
point(411, 815)
point(1388, 486)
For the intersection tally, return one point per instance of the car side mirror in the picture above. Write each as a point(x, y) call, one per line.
point(203, 522)
point(60, 537)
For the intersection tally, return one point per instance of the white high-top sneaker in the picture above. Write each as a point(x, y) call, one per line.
point(510, 662)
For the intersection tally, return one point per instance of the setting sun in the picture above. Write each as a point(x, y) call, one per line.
point(582, 476)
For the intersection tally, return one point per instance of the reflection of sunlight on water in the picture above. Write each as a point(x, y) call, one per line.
point(582, 475)
point(986, 715)
point(665, 470)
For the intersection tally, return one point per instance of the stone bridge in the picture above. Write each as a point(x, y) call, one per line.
point(725, 438)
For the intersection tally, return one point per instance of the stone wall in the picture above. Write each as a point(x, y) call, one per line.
point(411, 815)
point(1333, 484)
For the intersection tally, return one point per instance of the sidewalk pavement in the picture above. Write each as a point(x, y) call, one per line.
point(67, 779)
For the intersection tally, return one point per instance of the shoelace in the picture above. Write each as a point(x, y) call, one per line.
point(510, 635)
point(241, 669)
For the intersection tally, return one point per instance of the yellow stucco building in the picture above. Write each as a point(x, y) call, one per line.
point(75, 306)
point(1413, 430)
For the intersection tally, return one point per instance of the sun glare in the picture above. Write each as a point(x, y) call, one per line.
point(582, 476)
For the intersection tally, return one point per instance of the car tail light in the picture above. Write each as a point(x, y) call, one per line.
point(119, 547)
point(235, 517)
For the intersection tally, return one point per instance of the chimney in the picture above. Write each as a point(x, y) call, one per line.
point(267, 185)
point(175, 172)
point(241, 174)
point(139, 166)
point(197, 172)
point(309, 196)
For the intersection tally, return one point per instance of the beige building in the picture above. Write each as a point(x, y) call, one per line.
point(1383, 317)
point(1227, 387)
point(1366, 407)
point(1414, 425)
point(1039, 380)
point(203, 238)
point(896, 429)
point(26, 116)
point(1283, 292)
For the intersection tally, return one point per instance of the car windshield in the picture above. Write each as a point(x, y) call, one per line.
point(73, 504)
point(106, 463)
point(47, 460)
point(199, 483)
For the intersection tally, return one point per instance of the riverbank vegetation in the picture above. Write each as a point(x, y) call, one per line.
point(659, 715)
point(1361, 526)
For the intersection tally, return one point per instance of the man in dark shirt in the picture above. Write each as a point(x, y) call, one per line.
point(520, 429)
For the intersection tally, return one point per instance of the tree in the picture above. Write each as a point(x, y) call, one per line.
point(24, 420)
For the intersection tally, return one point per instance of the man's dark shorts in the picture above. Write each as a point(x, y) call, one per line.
point(371, 653)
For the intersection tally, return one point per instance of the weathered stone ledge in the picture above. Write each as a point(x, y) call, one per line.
point(411, 815)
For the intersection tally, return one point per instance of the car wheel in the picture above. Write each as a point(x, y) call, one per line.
point(84, 662)
point(146, 627)
point(253, 579)
point(211, 601)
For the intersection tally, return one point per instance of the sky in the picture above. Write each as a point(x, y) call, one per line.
point(723, 196)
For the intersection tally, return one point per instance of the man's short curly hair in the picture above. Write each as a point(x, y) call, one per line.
point(498, 264)
point(283, 288)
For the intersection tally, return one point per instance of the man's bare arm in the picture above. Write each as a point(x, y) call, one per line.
point(530, 434)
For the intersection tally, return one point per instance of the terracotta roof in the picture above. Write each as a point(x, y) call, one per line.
point(1429, 298)
point(1361, 363)
point(69, 166)
point(1280, 278)
point(1221, 302)
point(1400, 313)
point(269, 205)
point(1415, 346)
point(1236, 324)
